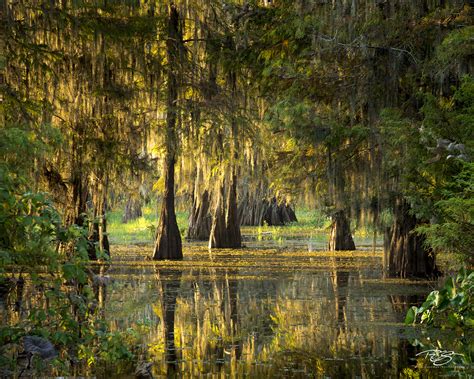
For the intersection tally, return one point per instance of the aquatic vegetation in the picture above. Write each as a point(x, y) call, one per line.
point(264, 311)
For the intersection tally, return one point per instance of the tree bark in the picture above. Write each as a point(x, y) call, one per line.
point(232, 216)
point(225, 230)
point(406, 253)
point(132, 210)
point(98, 239)
point(251, 210)
point(168, 241)
point(278, 214)
point(340, 237)
point(200, 219)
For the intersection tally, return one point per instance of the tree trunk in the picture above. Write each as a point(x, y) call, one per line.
point(132, 210)
point(407, 255)
point(98, 240)
point(340, 237)
point(77, 197)
point(232, 216)
point(200, 219)
point(272, 214)
point(291, 213)
point(278, 214)
point(225, 230)
point(252, 210)
point(168, 241)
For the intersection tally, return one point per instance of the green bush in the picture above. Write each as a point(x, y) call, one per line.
point(450, 307)
point(34, 245)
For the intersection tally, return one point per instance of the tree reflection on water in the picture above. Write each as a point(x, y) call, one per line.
point(336, 317)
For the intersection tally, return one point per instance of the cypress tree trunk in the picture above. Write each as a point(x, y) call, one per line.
point(252, 209)
point(279, 213)
point(200, 218)
point(406, 253)
point(218, 236)
point(76, 196)
point(291, 213)
point(132, 210)
point(232, 216)
point(168, 241)
point(98, 240)
point(340, 237)
point(273, 214)
point(225, 230)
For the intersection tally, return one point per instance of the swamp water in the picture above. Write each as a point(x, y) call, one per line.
point(280, 307)
point(283, 308)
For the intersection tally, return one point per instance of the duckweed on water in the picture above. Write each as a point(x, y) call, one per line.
point(267, 312)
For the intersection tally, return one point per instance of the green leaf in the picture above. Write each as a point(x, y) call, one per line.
point(469, 321)
point(427, 316)
point(69, 271)
point(450, 288)
point(411, 316)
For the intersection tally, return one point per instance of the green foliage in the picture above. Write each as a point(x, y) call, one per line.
point(449, 201)
point(31, 239)
point(455, 48)
point(34, 245)
point(432, 163)
point(452, 306)
point(19, 142)
point(453, 229)
point(28, 224)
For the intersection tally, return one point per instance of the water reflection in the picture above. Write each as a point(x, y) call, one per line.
point(254, 313)
point(100, 282)
point(169, 282)
point(340, 282)
point(267, 314)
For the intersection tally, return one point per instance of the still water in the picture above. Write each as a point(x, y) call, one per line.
point(286, 309)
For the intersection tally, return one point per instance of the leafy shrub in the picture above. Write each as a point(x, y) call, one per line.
point(35, 245)
point(452, 306)
point(453, 229)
